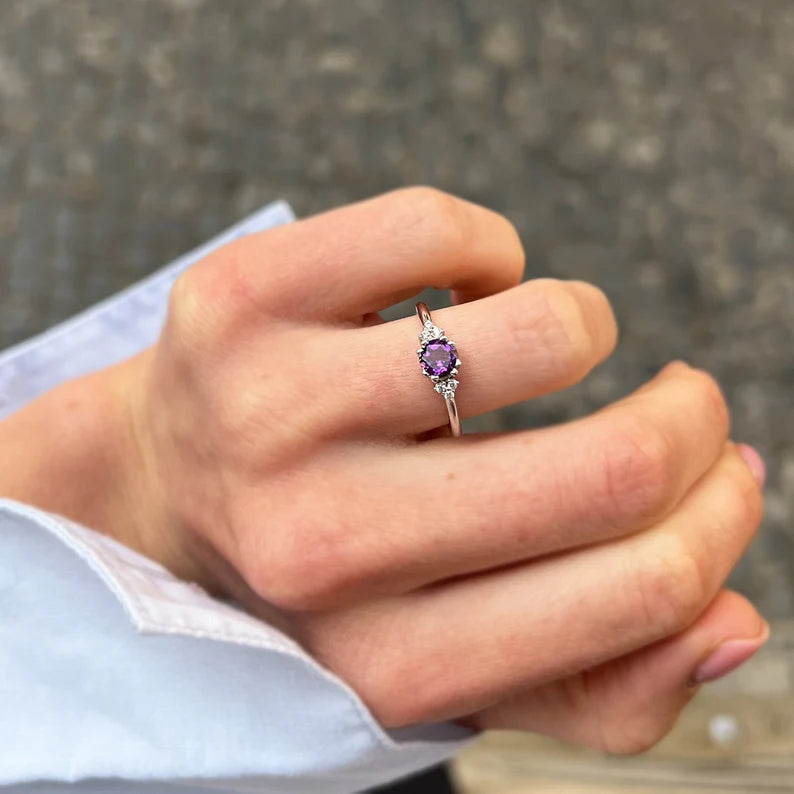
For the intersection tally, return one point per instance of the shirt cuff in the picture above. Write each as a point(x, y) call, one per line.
point(112, 668)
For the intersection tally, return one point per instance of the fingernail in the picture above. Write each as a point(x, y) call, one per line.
point(727, 657)
point(754, 461)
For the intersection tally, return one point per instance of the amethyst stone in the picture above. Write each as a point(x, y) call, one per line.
point(438, 358)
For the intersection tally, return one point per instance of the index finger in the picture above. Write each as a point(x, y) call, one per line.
point(358, 259)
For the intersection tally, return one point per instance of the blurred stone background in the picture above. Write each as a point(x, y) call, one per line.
point(645, 146)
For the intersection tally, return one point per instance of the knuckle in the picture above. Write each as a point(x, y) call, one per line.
point(232, 283)
point(187, 305)
point(743, 501)
point(427, 202)
point(671, 584)
point(512, 250)
point(518, 255)
point(442, 227)
point(599, 317)
point(708, 392)
point(308, 571)
point(632, 737)
point(557, 326)
point(217, 294)
point(639, 469)
point(437, 215)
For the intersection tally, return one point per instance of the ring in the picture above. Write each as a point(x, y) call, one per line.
point(439, 360)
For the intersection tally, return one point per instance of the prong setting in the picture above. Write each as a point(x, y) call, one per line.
point(438, 358)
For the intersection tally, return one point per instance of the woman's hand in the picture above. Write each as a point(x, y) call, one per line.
point(278, 447)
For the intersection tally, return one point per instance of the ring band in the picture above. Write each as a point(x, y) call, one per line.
point(439, 360)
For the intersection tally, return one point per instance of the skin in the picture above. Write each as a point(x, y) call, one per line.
point(280, 446)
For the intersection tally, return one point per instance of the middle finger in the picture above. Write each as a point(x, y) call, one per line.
point(459, 506)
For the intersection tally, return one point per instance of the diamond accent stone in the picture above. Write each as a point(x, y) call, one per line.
point(438, 358)
point(446, 387)
point(429, 332)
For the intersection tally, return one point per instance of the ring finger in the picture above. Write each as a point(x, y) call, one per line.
point(530, 340)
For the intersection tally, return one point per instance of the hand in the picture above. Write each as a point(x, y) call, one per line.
point(276, 446)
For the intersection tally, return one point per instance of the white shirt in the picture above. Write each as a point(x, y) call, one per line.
point(117, 677)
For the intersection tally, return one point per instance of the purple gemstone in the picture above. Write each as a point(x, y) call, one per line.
point(438, 358)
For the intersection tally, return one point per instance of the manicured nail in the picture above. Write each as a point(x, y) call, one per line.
point(754, 461)
point(727, 657)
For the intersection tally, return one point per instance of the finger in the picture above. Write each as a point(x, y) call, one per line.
point(533, 339)
point(459, 506)
point(464, 507)
point(628, 705)
point(522, 627)
point(348, 262)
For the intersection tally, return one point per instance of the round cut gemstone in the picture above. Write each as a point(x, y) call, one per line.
point(438, 358)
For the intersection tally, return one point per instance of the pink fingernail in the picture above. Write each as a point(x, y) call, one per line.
point(727, 657)
point(754, 461)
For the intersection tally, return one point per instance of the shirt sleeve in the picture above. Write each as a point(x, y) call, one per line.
point(112, 669)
